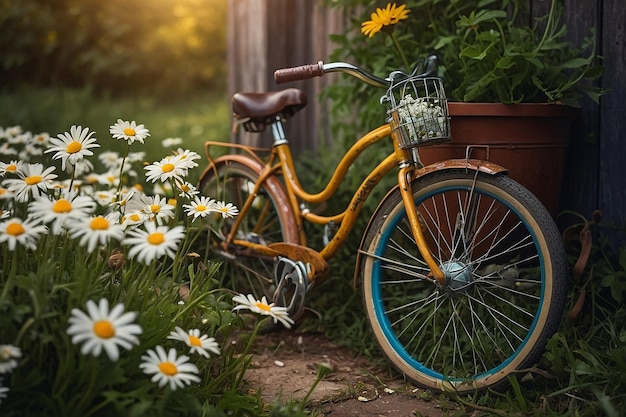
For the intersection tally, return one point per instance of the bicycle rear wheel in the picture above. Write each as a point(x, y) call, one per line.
point(270, 219)
point(505, 291)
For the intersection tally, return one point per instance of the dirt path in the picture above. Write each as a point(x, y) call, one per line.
point(286, 364)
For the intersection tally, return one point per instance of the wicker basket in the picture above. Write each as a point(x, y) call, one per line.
point(419, 111)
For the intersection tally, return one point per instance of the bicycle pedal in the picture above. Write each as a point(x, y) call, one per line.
point(291, 285)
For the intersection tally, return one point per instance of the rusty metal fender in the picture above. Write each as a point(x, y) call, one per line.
point(467, 164)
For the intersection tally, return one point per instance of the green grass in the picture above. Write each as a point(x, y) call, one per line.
point(197, 119)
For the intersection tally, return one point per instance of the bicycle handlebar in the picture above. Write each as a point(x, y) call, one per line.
point(304, 72)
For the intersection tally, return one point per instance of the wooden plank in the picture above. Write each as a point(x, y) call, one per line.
point(612, 165)
point(580, 186)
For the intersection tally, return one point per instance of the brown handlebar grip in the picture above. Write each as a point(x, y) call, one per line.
point(302, 72)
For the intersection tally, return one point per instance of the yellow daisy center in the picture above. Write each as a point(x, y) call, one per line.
point(156, 238)
point(184, 187)
point(11, 168)
point(15, 229)
point(62, 206)
point(200, 207)
point(167, 167)
point(171, 201)
point(99, 223)
point(129, 132)
point(33, 179)
point(263, 306)
point(224, 209)
point(73, 147)
point(134, 217)
point(104, 329)
point(194, 341)
point(168, 368)
point(155, 208)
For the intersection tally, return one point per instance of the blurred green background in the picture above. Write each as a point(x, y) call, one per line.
point(89, 62)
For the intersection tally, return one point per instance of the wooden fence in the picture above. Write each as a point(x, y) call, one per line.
point(264, 35)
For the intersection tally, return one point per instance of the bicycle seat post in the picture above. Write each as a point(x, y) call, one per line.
point(278, 132)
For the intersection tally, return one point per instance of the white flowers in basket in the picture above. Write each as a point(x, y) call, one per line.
point(423, 118)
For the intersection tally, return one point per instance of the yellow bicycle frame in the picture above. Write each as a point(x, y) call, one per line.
point(281, 161)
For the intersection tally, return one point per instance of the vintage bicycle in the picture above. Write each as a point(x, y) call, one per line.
point(463, 271)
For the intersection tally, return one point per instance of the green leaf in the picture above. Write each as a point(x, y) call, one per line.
point(444, 41)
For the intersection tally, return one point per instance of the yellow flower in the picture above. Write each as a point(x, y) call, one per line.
point(388, 16)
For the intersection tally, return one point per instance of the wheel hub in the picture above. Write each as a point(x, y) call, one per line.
point(458, 276)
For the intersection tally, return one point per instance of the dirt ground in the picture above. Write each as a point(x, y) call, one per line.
point(285, 364)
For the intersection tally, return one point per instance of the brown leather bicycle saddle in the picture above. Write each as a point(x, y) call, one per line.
point(268, 104)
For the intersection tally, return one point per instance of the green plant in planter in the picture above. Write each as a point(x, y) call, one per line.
point(488, 51)
point(500, 61)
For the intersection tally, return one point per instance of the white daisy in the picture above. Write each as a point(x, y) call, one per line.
point(187, 157)
point(72, 146)
point(186, 189)
point(8, 356)
point(198, 343)
point(61, 209)
point(7, 149)
point(134, 218)
point(32, 179)
point(225, 209)
point(133, 157)
point(110, 178)
point(6, 194)
point(129, 131)
point(171, 142)
point(200, 207)
point(41, 139)
point(82, 167)
point(26, 233)
point(13, 131)
point(29, 151)
point(158, 209)
point(103, 329)
point(154, 242)
point(123, 200)
point(262, 307)
point(97, 230)
point(166, 169)
point(104, 197)
point(13, 167)
point(168, 367)
point(110, 160)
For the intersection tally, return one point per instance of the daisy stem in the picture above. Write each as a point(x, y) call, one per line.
point(9, 275)
point(119, 186)
point(72, 178)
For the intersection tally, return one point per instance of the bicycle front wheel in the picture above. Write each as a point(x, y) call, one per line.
point(505, 288)
point(269, 219)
